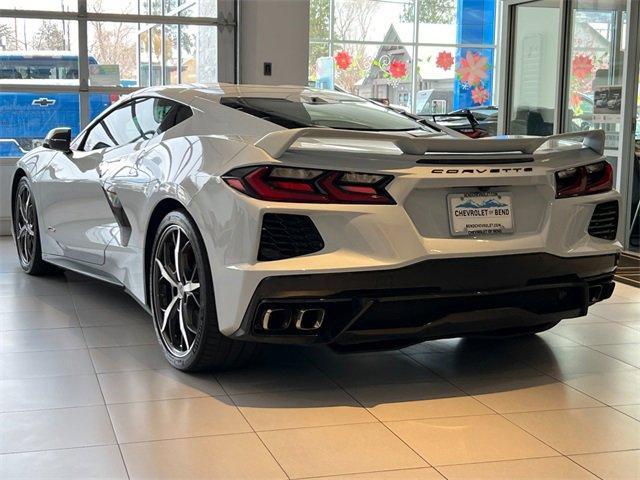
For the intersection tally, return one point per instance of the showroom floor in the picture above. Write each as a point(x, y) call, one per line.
point(85, 392)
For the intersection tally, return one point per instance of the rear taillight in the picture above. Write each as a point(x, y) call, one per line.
point(585, 180)
point(303, 185)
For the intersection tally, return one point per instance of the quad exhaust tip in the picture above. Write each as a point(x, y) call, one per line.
point(280, 319)
point(276, 319)
point(309, 319)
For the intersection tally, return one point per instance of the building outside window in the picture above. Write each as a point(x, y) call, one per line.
point(425, 56)
point(63, 62)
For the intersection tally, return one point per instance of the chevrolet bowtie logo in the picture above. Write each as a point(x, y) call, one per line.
point(43, 102)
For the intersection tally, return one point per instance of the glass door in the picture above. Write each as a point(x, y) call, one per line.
point(596, 68)
point(534, 67)
point(634, 211)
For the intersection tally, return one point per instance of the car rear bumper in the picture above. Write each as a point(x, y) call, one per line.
point(430, 299)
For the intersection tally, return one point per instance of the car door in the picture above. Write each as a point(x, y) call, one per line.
point(77, 216)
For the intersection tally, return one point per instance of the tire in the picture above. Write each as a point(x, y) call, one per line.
point(27, 233)
point(189, 333)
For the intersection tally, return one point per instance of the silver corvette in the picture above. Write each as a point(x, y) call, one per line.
point(238, 215)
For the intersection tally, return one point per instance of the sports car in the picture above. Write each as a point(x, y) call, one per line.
point(241, 215)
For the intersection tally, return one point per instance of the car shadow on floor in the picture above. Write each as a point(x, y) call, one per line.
point(441, 369)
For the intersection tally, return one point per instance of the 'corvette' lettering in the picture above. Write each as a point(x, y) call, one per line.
point(480, 171)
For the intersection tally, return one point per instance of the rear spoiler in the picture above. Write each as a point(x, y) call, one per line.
point(277, 143)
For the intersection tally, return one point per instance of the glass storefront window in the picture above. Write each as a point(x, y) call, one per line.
point(144, 58)
point(39, 51)
point(438, 20)
point(48, 5)
point(112, 54)
point(27, 117)
point(372, 20)
point(157, 39)
point(379, 72)
point(198, 54)
point(171, 60)
point(116, 6)
point(123, 54)
point(375, 48)
point(534, 68)
point(450, 78)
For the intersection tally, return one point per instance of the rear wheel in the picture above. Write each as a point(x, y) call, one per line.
point(26, 233)
point(183, 303)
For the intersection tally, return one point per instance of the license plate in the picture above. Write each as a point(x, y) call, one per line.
point(476, 213)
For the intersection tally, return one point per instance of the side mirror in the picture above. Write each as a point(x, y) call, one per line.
point(58, 139)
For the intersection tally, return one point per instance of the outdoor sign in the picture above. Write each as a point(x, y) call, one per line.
point(104, 75)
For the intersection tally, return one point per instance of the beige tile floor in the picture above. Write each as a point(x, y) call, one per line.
point(86, 393)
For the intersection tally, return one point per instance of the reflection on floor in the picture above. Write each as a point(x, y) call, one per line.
point(85, 392)
point(629, 269)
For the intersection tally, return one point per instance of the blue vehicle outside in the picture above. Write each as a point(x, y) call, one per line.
point(27, 117)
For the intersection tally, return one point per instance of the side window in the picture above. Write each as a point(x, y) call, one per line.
point(178, 114)
point(135, 121)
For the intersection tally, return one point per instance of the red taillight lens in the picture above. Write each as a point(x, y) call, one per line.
point(302, 185)
point(585, 180)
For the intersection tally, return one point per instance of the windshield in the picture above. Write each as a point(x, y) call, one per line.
point(351, 114)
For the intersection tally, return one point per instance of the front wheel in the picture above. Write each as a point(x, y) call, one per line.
point(183, 302)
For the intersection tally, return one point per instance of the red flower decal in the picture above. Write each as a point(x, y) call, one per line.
point(343, 59)
point(444, 60)
point(581, 66)
point(575, 100)
point(397, 69)
point(479, 95)
point(473, 68)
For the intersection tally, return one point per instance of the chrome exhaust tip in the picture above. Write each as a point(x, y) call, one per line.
point(309, 319)
point(276, 319)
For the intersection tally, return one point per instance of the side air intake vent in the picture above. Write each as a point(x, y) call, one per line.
point(604, 221)
point(286, 236)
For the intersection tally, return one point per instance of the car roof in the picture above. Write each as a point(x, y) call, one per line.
point(201, 95)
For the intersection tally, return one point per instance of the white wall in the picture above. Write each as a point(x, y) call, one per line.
point(275, 31)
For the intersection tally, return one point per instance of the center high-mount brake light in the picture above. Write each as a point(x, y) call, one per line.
point(584, 180)
point(303, 185)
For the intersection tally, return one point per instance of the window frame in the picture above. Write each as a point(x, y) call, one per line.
point(83, 17)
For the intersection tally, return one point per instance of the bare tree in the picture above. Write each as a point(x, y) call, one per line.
point(114, 44)
point(8, 40)
point(352, 20)
point(49, 36)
